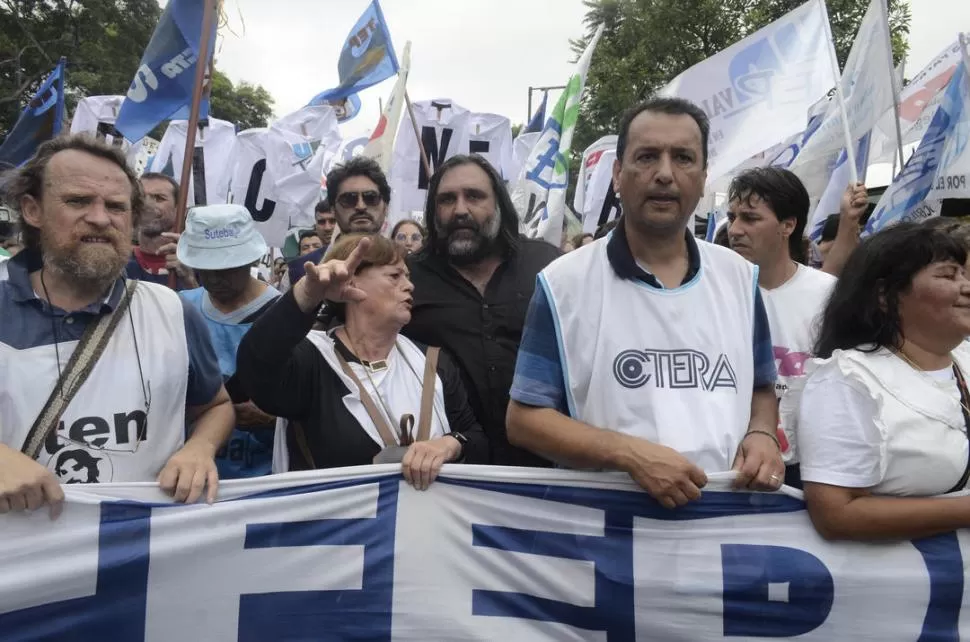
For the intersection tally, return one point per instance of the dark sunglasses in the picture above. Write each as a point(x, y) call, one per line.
point(350, 199)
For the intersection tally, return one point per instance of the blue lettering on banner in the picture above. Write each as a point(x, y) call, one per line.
point(118, 608)
point(674, 369)
point(750, 571)
point(944, 563)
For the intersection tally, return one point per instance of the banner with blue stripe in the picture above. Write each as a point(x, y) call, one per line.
point(484, 554)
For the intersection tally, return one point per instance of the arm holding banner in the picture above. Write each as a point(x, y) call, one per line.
point(855, 200)
point(26, 485)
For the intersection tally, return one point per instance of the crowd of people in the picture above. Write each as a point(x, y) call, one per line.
point(641, 349)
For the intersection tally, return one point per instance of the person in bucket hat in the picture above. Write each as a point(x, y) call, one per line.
point(221, 244)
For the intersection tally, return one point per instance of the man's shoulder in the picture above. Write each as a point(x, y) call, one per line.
point(816, 279)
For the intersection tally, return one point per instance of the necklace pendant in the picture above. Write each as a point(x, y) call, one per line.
point(377, 366)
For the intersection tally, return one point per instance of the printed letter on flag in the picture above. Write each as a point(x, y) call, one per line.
point(540, 192)
point(757, 91)
point(163, 83)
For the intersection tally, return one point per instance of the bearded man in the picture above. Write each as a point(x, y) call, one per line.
point(473, 281)
point(79, 201)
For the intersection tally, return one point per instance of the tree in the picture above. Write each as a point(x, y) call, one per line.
point(103, 41)
point(246, 105)
point(646, 43)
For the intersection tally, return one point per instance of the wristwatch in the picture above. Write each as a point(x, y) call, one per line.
point(462, 441)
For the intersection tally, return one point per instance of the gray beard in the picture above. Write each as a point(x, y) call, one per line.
point(468, 251)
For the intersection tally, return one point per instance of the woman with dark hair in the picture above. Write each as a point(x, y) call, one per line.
point(409, 235)
point(884, 413)
point(359, 393)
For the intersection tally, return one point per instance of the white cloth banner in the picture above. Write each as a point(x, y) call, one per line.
point(380, 147)
point(757, 91)
point(484, 554)
point(217, 141)
point(867, 86)
point(591, 160)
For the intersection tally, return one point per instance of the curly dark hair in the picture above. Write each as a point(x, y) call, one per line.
point(783, 193)
point(29, 179)
point(863, 311)
point(356, 166)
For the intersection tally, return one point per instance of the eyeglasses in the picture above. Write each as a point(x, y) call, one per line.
point(350, 199)
point(415, 237)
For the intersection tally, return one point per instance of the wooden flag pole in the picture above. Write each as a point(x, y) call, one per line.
point(417, 134)
point(205, 47)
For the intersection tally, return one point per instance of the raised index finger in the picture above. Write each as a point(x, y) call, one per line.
point(357, 255)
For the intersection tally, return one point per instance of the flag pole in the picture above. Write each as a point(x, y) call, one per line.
point(840, 98)
point(417, 134)
point(205, 42)
point(883, 7)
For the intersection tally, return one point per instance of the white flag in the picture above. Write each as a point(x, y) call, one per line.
point(867, 86)
point(757, 91)
point(380, 147)
point(540, 192)
point(591, 160)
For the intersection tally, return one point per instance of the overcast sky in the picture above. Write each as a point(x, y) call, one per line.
point(483, 54)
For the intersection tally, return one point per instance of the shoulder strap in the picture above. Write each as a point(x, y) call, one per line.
point(302, 444)
point(379, 422)
point(427, 393)
point(965, 408)
point(75, 373)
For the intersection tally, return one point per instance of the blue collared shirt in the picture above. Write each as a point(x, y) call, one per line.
point(539, 379)
point(27, 321)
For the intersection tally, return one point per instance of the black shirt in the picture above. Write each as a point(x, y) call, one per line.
point(481, 332)
point(285, 375)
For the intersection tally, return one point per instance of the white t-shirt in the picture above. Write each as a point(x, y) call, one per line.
point(846, 439)
point(449, 124)
point(794, 313)
point(96, 115)
point(217, 142)
point(491, 136)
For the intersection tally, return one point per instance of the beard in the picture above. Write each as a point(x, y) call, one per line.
point(465, 241)
point(90, 267)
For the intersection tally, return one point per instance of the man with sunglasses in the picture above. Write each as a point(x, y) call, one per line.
point(358, 193)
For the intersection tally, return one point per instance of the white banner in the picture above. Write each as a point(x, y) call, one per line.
point(484, 554)
point(757, 91)
point(592, 156)
point(380, 147)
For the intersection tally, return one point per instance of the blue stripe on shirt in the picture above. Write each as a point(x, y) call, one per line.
point(539, 379)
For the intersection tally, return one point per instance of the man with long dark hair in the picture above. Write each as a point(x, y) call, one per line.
point(472, 285)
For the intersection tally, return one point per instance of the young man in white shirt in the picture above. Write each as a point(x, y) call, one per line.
point(768, 211)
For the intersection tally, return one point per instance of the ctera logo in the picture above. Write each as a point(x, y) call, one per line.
point(675, 369)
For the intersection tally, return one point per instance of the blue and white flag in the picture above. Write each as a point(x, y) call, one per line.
point(831, 200)
point(910, 197)
point(484, 554)
point(162, 87)
point(539, 118)
point(757, 91)
point(367, 58)
point(539, 194)
point(40, 121)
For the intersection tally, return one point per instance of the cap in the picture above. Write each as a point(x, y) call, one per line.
point(220, 237)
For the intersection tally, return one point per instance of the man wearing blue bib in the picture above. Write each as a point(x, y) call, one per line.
point(221, 243)
point(649, 351)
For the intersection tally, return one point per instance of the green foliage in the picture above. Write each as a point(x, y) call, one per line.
point(245, 105)
point(646, 43)
point(103, 41)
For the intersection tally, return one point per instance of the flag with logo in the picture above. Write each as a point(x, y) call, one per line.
point(162, 87)
point(867, 88)
point(540, 192)
point(757, 91)
point(831, 200)
point(914, 193)
point(367, 58)
point(380, 147)
point(917, 104)
point(40, 121)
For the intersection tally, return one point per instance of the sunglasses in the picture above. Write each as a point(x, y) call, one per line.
point(416, 237)
point(350, 199)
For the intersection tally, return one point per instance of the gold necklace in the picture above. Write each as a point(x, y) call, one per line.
point(961, 384)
